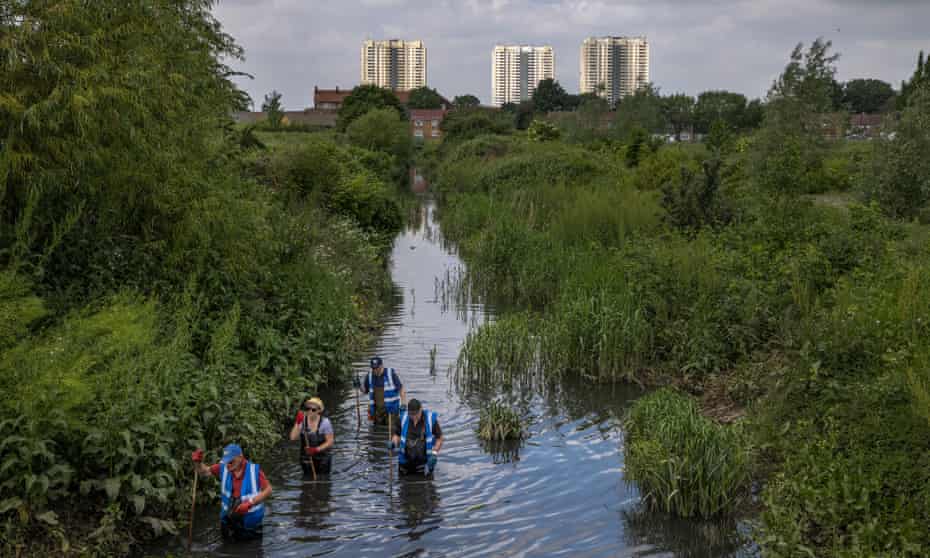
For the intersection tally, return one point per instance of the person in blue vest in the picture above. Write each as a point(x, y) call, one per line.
point(243, 491)
point(418, 439)
point(386, 393)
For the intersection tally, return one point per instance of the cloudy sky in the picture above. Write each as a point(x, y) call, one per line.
point(292, 45)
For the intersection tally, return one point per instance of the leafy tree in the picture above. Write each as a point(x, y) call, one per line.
point(639, 145)
point(867, 95)
point(272, 109)
point(753, 115)
point(540, 131)
point(465, 125)
point(719, 105)
point(693, 202)
point(364, 98)
point(642, 110)
point(789, 149)
point(549, 96)
point(900, 173)
point(523, 114)
point(678, 111)
point(466, 101)
point(424, 98)
point(381, 130)
point(921, 76)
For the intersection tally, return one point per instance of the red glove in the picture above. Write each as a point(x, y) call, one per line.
point(243, 508)
point(197, 456)
point(312, 450)
point(299, 418)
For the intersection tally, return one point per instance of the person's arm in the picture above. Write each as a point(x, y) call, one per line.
point(437, 437)
point(365, 385)
point(395, 434)
point(204, 470)
point(265, 492)
point(295, 430)
point(403, 390)
point(326, 428)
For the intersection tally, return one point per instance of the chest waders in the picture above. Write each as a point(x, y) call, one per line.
point(322, 461)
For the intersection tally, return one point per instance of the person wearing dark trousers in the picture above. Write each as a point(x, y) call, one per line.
point(418, 439)
point(316, 436)
point(386, 393)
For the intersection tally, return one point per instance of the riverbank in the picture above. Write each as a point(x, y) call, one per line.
point(808, 317)
point(167, 283)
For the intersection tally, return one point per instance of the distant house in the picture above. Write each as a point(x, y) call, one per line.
point(308, 117)
point(329, 99)
point(425, 124)
point(332, 99)
point(862, 126)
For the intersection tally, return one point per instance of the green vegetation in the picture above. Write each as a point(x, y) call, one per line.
point(764, 272)
point(497, 422)
point(684, 463)
point(165, 283)
point(424, 98)
point(364, 98)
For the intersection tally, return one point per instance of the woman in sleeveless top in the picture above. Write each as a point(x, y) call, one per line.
point(315, 433)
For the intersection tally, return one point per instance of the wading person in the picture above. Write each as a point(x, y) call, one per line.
point(243, 491)
point(315, 433)
point(418, 439)
point(386, 393)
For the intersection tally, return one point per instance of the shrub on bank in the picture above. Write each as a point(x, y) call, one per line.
point(683, 463)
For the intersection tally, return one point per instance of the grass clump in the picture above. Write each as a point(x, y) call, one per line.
point(497, 422)
point(684, 463)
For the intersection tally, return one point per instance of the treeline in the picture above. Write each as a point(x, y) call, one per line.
point(777, 279)
point(165, 283)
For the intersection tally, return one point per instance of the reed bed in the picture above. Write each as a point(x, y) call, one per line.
point(498, 422)
point(683, 463)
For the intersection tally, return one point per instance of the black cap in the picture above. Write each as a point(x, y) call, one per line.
point(413, 406)
point(375, 362)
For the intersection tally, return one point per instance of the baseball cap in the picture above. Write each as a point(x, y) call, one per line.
point(375, 362)
point(230, 452)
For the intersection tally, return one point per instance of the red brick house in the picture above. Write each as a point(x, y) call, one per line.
point(425, 124)
point(331, 99)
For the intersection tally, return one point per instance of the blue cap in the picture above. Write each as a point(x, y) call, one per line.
point(230, 452)
point(375, 362)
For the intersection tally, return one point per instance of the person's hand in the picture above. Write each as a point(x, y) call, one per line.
point(431, 461)
point(299, 418)
point(197, 456)
point(312, 450)
point(243, 508)
point(356, 384)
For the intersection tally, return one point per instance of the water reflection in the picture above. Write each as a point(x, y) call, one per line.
point(560, 492)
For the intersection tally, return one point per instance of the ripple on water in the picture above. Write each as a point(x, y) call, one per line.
point(560, 493)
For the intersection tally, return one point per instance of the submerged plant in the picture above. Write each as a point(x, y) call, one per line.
point(499, 422)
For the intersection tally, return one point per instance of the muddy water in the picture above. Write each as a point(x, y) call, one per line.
point(561, 493)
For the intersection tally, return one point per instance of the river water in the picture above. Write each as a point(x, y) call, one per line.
point(560, 493)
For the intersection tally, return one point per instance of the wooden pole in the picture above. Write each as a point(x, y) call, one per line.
point(190, 530)
point(390, 449)
point(358, 407)
point(307, 445)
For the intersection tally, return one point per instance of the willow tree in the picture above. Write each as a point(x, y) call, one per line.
point(110, 113)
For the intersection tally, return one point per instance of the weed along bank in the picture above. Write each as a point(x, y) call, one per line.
point(402, 326)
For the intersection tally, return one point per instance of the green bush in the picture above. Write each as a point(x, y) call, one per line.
point(683, 463)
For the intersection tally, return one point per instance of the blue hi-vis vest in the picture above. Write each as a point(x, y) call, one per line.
point(249, 489)
point(391, 393)
point(430, 418)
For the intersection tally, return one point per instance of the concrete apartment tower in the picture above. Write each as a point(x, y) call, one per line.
point(517, 70)
point(394, 64)
point(614, 67)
